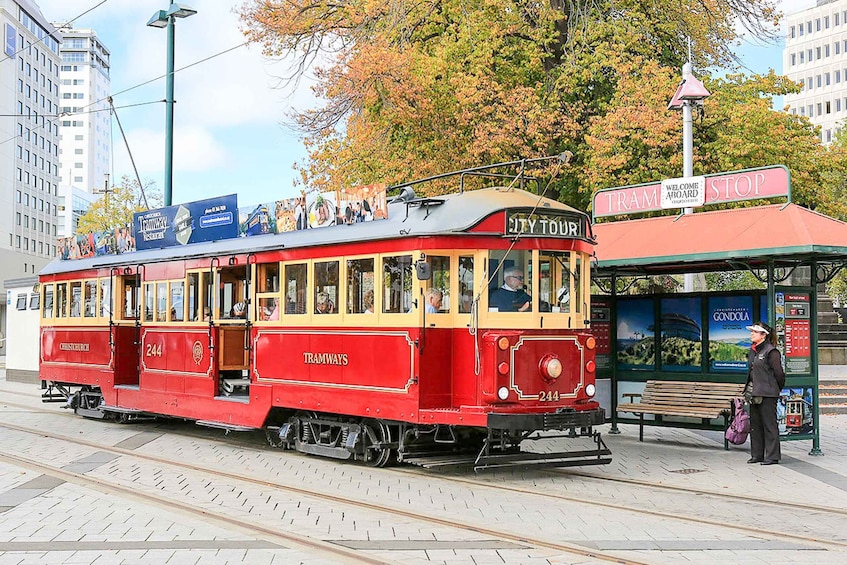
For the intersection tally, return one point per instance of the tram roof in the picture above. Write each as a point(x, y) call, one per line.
point(419, 217)
point(783, 233)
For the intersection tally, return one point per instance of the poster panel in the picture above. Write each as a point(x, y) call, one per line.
point(795, 412)
point(635, 334)
point(601, 327)
point(681, 334)
point(729, 339)
point(204, 220)
point(794, 331)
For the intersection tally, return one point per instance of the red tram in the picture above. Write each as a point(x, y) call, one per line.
point(375, 341)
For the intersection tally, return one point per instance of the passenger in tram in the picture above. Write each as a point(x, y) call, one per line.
point(274, 315)
point(433, 300)
point(511, 297)
point(207, 314)
point(368, 302)
point(323, 305)
point(239, 310)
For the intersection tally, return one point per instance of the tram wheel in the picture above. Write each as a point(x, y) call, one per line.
point(376, 432)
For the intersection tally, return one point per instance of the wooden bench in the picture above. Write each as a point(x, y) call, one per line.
point(704, 400)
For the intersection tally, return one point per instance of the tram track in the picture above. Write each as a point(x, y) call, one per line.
point(521, 539)
point(514, 489)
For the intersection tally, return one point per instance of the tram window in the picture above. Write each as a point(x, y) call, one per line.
point(510, 281)
point(441, 279)
point(131, 298)
point(326, 287)
point(90, 299)
point(267, 277)
point(397, 284)
point(360, 286)
point(62, 300)
point(466, 283)
point(193, 296)
point(295, 288)
point(47, 304)
point(555, 284)
point(577, 282)
point(231, 295)
point(76, 299)
point(161, 302)
point(149, 301)
point(105, 298)
point(177, 303)
point(21, 302)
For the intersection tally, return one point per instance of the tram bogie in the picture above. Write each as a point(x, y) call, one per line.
point(454, 331)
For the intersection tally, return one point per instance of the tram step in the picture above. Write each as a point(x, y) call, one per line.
point(223, 426)
point(323, 450)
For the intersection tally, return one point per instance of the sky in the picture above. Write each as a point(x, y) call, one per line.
point(232, 132)
point(230, 115)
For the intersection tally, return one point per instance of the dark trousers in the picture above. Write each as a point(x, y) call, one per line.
point(764, 431)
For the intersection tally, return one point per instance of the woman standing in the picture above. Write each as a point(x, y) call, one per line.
point(765, 379)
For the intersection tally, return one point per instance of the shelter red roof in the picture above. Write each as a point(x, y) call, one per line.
point(700, 241)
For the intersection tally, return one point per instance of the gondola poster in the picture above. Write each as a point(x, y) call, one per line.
point(729, 339)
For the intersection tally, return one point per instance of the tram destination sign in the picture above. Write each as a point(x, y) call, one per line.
point(545, 224)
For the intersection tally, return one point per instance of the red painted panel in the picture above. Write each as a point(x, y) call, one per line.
point(84, 345)
point(345, 359)
point(126, 355)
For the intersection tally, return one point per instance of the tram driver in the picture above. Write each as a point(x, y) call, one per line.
point(511, 297)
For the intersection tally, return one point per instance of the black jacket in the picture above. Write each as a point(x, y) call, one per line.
point(765, 370)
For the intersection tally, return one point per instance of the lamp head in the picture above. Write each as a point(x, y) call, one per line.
point(159, 19)
point(181, 10)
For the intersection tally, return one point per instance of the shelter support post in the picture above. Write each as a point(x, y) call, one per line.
point(613, 354)
point(816, 410)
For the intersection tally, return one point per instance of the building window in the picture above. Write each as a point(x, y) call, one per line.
point(838, 104)
point(819, 109)
point(802, 57)
point(826, 50)
point(826, 22)
point(818, 81)
point(793, 32)
point(837, 46)
point(826, 78)
point(835, 17)
point(817, 56)
point(828, 107)
point(793, 59)
point(809, 54)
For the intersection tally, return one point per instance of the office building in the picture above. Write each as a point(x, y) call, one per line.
point(815, 55)
point(29, 137)
point(85, 126)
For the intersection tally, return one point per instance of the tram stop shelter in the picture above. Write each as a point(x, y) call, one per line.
point(702, 336)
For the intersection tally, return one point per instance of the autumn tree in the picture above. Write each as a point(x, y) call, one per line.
point(116, 208)
point(412, 89)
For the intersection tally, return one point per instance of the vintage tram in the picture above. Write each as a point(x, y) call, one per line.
point(331, 341)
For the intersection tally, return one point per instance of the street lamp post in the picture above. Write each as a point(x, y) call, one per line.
point(165, 19)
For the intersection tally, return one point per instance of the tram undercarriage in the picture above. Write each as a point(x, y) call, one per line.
point(380, 442)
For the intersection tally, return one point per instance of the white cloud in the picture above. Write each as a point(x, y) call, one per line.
point(197, 150)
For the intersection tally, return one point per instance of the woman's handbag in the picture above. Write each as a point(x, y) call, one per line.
point(739, 426)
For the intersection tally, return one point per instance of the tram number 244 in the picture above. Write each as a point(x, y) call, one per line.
point(548, 396)
point(155, 350)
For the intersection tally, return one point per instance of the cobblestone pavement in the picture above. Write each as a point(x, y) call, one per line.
point(46, 519)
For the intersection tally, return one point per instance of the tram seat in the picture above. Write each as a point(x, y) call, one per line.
point(235, 387)
point(703, 400)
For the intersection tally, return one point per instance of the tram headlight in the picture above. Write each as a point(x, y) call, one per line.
point(551, 368)
point(502, 393)
point(590, 390)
